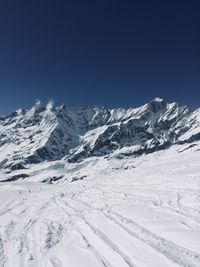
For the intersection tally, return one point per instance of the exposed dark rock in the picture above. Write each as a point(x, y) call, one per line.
point(48, 133)
point(16, 177)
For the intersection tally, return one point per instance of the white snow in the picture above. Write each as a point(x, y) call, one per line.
point(142, 212)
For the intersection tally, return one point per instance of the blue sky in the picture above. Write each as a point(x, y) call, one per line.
point(109, 53)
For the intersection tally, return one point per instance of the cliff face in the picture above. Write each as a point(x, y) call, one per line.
point(48, 133)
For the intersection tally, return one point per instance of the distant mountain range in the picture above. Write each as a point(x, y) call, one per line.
point(48, 133)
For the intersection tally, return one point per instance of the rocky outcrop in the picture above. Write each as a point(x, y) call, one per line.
point(48, 133)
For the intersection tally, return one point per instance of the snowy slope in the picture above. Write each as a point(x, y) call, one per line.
point(93, 187)
point(142, 212)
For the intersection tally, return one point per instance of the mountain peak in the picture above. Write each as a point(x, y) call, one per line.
point(158, 99)
point(157, 104)
point(38, 107)
point(50, 106)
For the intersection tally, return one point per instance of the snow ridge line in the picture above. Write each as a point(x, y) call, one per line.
point(9, 209)
point(103, 237)
point(172, 251)
point(97, 255)
point(25, 240)
point(185, 211)
point(104, 262)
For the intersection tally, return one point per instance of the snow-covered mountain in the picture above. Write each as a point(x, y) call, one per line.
point(93, 187)
point(51, 133)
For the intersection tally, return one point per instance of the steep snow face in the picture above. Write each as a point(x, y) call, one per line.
point(189, 128)
point(44, 133)
point(145, 129)
point(24, 133)
point(48, 133)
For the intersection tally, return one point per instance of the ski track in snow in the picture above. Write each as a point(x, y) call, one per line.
point(102, 236)
point(77, 212)
point(144, 217)
point(174, 252)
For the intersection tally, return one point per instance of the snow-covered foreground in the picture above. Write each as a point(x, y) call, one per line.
point(125, 213)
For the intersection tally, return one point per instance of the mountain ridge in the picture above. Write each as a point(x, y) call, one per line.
point(50, 133)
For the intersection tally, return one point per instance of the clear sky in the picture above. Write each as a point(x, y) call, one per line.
point(114, 53)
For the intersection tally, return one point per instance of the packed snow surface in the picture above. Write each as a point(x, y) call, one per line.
point(106, 212)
